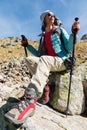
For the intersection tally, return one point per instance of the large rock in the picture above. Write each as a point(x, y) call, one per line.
point(44, 118)
point(77, 97)
point(84, 37)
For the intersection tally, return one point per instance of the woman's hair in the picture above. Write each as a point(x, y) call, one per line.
point(43, 26)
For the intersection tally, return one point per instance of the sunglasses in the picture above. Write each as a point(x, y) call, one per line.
point(50, 14)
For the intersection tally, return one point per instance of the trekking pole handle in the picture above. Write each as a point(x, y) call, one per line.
point(76, 19)
point(76, 30)
point(24, 39)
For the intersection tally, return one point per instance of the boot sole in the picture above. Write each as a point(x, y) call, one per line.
point(18, 122)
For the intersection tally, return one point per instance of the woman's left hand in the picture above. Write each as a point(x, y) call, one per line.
point(76, 27)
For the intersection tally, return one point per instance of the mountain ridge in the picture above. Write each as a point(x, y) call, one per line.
point(10, 47)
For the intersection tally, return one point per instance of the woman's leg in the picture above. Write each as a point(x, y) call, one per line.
point(32, 62)
point(45, 65)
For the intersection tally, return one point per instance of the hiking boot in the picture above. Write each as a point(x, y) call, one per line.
point(45, 96)
point(24, 108)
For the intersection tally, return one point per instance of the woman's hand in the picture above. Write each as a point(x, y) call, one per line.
point(75, 27)
point(24, 41)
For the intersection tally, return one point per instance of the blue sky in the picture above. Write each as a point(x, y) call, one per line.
point(23, 16)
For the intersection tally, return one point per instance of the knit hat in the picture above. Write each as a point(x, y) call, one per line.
point(42, 16)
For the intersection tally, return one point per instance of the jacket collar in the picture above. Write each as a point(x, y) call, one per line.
point(55, 28)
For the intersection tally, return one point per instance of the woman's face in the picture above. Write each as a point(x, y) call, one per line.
point(49, 19)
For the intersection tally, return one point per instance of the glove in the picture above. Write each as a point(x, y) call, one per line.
point(24, 41)
point(69, 62)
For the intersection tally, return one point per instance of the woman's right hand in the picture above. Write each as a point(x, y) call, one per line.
point(24, 41)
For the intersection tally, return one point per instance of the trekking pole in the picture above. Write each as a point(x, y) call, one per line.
point(24, 39)
point(71, 70)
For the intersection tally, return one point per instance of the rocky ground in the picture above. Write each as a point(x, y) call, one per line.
point(14, 78)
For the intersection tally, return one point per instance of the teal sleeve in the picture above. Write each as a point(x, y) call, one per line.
point(68, 39)
point(71, 39)
point(32, 50)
